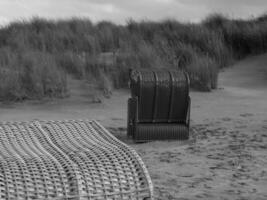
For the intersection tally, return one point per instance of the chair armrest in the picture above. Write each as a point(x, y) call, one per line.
point(132, 115)
point(188, 112)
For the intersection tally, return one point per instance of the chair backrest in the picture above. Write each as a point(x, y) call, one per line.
point(162, 94)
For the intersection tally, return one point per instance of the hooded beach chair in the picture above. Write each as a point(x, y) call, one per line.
point(159, 107)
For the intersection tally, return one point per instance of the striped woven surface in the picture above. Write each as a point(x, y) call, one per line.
point(160, 131)
point(68, 160)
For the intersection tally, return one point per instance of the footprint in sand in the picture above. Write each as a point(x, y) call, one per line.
point(169, 157)
point(246, 115)
point(226, 119)
point(241, 126)
point(120, 133)
point(116, 119)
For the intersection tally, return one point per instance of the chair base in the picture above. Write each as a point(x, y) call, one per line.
point(145, 132)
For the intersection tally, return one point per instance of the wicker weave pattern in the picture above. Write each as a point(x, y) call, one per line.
point(161, 131)
point(159, 107)
point(68, 160)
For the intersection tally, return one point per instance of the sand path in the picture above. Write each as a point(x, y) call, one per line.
point(226, 157)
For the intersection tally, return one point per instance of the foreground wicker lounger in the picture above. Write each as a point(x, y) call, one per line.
point(70, 160)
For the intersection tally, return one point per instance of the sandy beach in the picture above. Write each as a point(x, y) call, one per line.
point(226, 156)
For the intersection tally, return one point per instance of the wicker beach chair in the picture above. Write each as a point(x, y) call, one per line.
point(68, 160)
point(159, 107)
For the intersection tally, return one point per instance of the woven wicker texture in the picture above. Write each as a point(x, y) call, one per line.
point(70, 160)
point(160, 131)
point(162, 95)
point(159, 108)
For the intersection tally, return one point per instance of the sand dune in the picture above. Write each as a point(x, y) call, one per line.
point(226, 157)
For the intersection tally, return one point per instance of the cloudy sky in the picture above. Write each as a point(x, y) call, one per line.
point(119, 11)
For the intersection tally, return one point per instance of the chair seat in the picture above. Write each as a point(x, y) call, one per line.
point(160, 131)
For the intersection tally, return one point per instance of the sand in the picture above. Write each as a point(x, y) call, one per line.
point(226, 156)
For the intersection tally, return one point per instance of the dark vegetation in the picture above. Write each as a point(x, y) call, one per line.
point(36, 57)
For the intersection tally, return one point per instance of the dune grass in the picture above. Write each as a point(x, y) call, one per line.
point(37, 55)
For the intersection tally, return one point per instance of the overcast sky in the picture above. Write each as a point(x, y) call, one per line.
point(119, 11)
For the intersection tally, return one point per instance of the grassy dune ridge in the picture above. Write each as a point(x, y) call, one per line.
point(37, 56)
